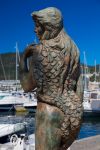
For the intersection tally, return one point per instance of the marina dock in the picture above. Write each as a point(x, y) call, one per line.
point(91, 143)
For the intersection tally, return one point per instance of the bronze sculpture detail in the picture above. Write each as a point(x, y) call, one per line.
point(55, 71)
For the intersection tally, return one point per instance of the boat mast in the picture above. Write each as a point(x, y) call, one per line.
point(17, 63)
point(85, 71)
point(95, 71)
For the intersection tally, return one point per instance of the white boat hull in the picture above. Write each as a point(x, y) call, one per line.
point(7, 129)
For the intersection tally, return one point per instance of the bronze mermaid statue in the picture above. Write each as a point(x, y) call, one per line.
point(55, 72)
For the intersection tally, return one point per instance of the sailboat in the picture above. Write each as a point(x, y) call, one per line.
point(7, 102)
point(91, 97)
point(29, 100)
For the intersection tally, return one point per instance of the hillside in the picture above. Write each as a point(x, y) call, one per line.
point(9, 64)
point(91, 69)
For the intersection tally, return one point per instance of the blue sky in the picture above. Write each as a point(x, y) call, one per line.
point(81, 22)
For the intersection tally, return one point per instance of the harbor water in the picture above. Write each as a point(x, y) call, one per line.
point(90, 126)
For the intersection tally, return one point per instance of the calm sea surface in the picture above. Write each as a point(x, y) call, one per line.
point(90, 126)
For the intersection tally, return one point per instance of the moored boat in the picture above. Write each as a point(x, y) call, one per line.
point(91, 102)
point(8, 129)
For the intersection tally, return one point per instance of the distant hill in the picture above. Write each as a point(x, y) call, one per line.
point(9, 63)
point(91, 69)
